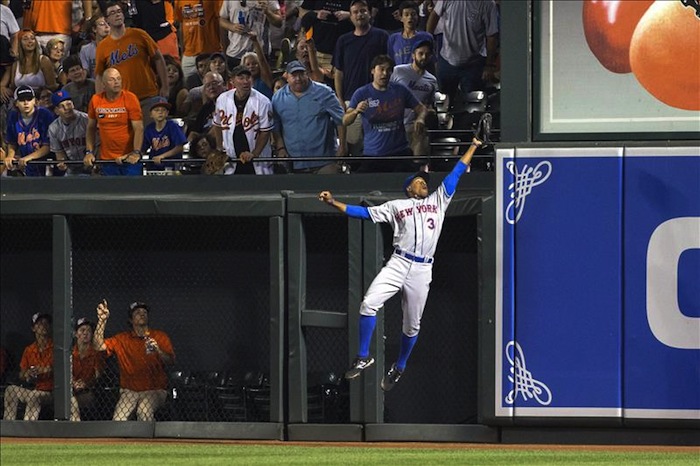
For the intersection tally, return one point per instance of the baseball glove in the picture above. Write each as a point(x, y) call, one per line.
point(483, 129)
point(214, 163)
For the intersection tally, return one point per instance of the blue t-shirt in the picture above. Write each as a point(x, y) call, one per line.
point(260, 86)
point(382, 122)
point(160, 142)
point(401, 49)
point(353, 56)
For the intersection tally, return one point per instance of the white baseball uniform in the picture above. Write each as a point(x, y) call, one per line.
point(417, 224)
point(257, 118)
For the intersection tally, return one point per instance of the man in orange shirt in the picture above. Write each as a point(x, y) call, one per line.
point(36, 373)
point(199, 25)
point(137, 57)
point(120, 125)
point(88, 365)
point(54, 19)
point(142, 354)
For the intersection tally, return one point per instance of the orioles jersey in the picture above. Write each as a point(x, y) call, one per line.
point(256, 119)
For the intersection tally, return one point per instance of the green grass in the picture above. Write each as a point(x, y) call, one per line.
point(137, 454)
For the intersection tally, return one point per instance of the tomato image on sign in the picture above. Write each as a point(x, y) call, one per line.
point(655, 40)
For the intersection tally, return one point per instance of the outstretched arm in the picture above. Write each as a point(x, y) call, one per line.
point(354, 211)
point(451, 180)
point(98, 339)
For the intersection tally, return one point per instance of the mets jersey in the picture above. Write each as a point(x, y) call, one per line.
point(70, 138)
point(417, 223)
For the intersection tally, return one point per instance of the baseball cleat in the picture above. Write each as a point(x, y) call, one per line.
point(358, 365)
point(391, 378)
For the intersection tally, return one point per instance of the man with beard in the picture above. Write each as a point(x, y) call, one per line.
point(381, 105)
point(423, 85)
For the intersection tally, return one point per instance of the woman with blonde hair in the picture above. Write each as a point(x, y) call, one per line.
point(55, 48)
point(32, 68)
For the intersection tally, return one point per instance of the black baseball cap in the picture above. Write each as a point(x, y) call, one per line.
point(24, 92)
point(84, 321)
point(40, 315)
point(239, 70)
point(423, 43)
point(420, 174)
point(138, 305)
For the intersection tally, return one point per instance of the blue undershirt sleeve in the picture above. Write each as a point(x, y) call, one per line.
point(357, 211)
point(452, 178)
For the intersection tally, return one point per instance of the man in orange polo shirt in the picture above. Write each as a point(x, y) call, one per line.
point(36, 373)
point(117, 114)
point(199, 25)
point(137, 57)
point(51, 19)
point(142, 354)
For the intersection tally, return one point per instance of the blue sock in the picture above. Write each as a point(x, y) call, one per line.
point(367, 324)
point(407, 344)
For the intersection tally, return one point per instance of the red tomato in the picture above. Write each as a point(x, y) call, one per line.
point(665, 54)
point(608, 26)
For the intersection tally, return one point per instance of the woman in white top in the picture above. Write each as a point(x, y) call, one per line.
point(32, 68)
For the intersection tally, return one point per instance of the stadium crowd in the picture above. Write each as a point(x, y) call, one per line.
point(116, 87)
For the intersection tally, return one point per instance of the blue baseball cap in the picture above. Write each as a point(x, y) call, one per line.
point(59, 96)
point(421, 174)
point(423, 43)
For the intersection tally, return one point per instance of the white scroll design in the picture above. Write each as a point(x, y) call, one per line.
point(525, 180)
point(524, 383)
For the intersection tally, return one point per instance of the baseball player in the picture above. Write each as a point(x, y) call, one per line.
point(417, 223)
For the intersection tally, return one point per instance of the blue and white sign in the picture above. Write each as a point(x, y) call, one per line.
point(570, 333)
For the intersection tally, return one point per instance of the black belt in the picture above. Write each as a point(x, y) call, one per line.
point(411, 257)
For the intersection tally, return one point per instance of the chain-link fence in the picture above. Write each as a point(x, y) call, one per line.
point(26, 277)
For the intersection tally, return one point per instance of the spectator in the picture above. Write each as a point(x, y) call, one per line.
point(214, 161)
point(202, 67)
point(279, 84)
point(27, 133)
point(386, 15)
point(217, 64)
point(381, 104)
point(32, 68)
point(44, 98)
point(176, 83)
point(157, 17)
point(67, 134)
point(36, 373)
point(99, 29)
point(352, 58)
point(305, 52)
point(203, 121)
point(163, 138)
point(239, 17)
point(55, 50)
point(325, 21)
point(80, 87)
point(121, 135)
point(259, 68)
point(400, 46)
point(201, 36)
point(307, 115)
point(143, 355)
point(242, 125)
point(467, 58)
point(423, 85)
point(135, 55)
point(8, 23)
point(52, 19)
point(88, 365)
